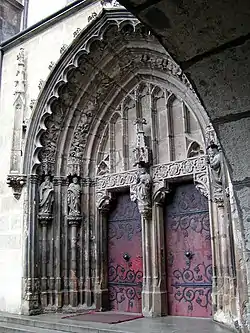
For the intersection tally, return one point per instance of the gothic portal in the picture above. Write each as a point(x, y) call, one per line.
point(129, 184)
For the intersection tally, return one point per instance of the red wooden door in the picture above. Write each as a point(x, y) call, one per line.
point(125, 256)
point(189, 256)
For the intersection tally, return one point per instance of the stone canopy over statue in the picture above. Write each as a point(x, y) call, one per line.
point(74, 197)
point(46, 197)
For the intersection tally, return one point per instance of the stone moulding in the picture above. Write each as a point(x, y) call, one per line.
point(195, 167)
point(16, 182)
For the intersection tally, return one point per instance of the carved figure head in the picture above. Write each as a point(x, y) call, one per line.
point(213, 149)
point(47, 179)
point(75, 180)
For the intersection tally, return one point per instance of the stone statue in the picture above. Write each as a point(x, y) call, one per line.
point(143, 189)
point(214, 160)
point(46, 196)
point(73, 197)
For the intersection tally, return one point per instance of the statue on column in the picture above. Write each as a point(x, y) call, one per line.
point(143, 190)
point(73, 197)
point(214, 160)
point(46, 196)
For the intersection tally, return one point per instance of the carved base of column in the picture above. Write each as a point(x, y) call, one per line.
point(88, 297)
point(73, 296)
point(101, 299)
point(147, 297)
point(31, 307)
point(159, 304)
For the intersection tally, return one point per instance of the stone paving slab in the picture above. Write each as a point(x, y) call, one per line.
point(144, 325)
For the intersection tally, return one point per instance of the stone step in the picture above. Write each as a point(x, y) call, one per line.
point(16, 328)
point(54, 323)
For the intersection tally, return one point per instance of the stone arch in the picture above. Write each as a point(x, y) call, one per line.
point(73, 114)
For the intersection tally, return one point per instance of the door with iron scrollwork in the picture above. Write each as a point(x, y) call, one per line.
point(125, 256)
point(189, 255)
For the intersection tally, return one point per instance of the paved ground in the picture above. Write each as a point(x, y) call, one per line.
point(55, 323)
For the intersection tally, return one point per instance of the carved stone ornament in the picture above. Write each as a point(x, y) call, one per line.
point(63, 48)
point(141, 151)
point(128, 179)
point(77, 32)
point(92, 16)
point(16, 182)
point(40, 84)
point(110, 3)
point(201, 183)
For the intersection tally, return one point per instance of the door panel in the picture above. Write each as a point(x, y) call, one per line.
point(125, 256)
point(189, 262)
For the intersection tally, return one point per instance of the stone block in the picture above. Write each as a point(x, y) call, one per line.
point(242, 194)
point(235, 138)
point(190, 28)
point(223, 82)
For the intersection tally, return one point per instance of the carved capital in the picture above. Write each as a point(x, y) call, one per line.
point(105, 203)
point(74, 220)
point(16, 182)
point(160, 194)
point(45, 219)
point(201, 183)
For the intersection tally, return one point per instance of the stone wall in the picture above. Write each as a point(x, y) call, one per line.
point(39, 51)
point(10, 18)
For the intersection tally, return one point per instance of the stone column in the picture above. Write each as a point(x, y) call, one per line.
point(31, 282)
point(74, 219)
point(101, 278)
point(44, 220)
point(159, 292)
point(74, 222)
point(146, 222)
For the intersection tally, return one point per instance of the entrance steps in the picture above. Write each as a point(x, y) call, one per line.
point(16, 328)
point(52, 323)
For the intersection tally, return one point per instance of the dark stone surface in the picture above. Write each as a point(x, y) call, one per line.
point(10, 19)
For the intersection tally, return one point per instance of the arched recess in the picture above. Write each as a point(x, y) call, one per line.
point(113, 74)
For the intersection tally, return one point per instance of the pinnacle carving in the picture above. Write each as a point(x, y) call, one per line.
point(92, 16)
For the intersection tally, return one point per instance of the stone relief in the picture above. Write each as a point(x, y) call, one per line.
point(79, 141)
point(74, 198)
point(49, 140)
point(46, 197)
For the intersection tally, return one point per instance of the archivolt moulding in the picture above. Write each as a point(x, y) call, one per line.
point(59, 78)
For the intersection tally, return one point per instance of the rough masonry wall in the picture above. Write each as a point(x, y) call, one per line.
point(39, 51)
point(10, 18)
